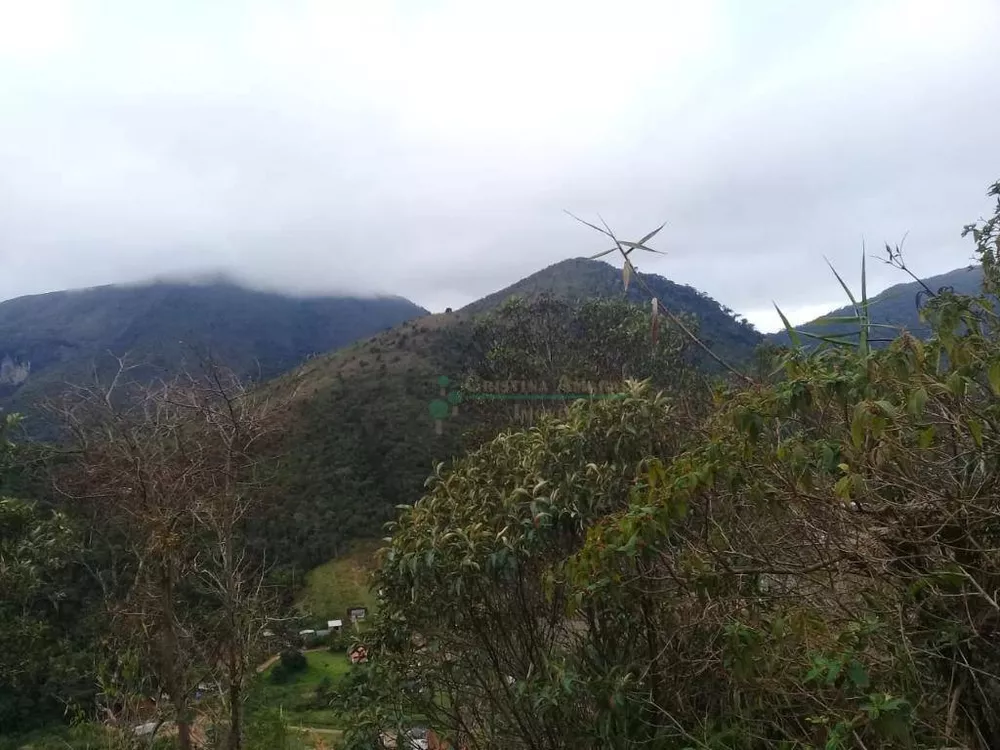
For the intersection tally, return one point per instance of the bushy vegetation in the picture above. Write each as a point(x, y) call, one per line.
point(289, 663)
point(361, 445)
point(160, 491)
point(46, 618)
point(301, 691)
point(812, 564)
point(802, 555)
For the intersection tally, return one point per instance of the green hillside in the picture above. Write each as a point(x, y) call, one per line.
point(360, 437)
point(898, 306)
point(49, 340)
point(334, 587)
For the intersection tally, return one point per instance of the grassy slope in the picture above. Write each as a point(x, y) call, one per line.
point(333, 587)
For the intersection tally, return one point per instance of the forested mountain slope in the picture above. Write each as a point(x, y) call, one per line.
point(49, 340)
point(360, 438)
point(898, 306)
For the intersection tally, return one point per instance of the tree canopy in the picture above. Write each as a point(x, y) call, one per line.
point(812, 564)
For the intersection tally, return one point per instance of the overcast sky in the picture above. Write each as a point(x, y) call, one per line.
point(428, 148)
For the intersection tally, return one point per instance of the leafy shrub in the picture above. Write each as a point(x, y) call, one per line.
point(811, 564)
point(289, 664)
point(293, 661)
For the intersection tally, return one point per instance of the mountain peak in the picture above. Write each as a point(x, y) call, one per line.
point(578, 279)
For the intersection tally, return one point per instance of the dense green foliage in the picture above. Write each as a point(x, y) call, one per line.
point(167, 327)
point(364, 440)
point(45, 613)
point(361, 441)
point(813, 564)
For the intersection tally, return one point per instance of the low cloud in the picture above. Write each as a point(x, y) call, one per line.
point(429, 149)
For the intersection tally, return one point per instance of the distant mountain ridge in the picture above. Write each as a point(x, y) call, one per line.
point(898, 306)
point(47, 340)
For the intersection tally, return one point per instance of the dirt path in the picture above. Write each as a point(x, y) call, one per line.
point(275, 658)
point(318, 730)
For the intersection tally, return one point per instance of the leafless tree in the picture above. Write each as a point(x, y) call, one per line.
point(175, 469)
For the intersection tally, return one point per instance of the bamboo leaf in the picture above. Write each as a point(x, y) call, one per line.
point(592, 226)
point(792, 334)
point(841, 319)
point(834, 319)
point(976, 428)
point(864, 284)
point(627, 273)
point(994, 377)
point(651, 235)
point(854, 302)
point(618, 244)
point(828, 339)
point(601, 254)
point(640, 246)
point(863, 344)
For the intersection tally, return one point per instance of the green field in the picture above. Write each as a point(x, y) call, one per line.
point(297, 699)
point(332, 588)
